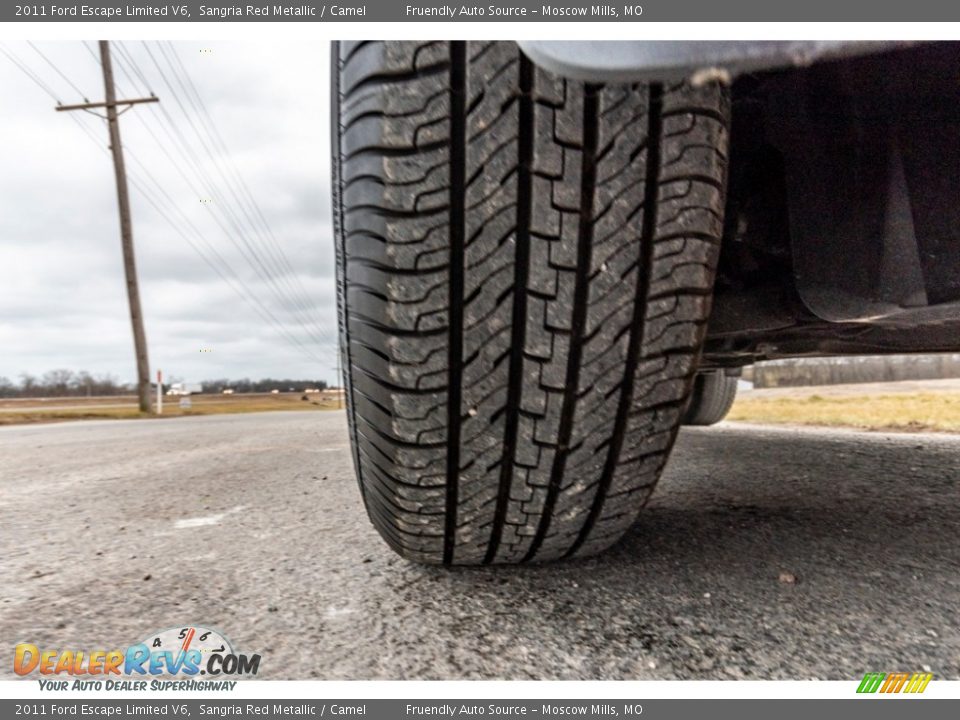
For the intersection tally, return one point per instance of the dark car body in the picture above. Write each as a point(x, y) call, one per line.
point(842, 227)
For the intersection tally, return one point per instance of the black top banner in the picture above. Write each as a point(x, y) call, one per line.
point(424, 709)
point(498, 11)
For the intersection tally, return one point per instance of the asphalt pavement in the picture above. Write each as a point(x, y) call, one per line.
point(765, 554)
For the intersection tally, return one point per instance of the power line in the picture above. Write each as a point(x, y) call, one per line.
point(245, 293)
point(120, 64)
point(214, 133)
point(279, 263)
point(199, 135)
point(130, 68)
point(58, 71)
point(218, 139)
point(128, 57)
point(186, 151)
point(30, 74)
point(268, 267)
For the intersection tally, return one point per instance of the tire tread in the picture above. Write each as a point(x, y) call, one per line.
point(509, 401)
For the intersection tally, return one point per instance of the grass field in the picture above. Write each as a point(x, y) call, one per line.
point(33, 410)
point(904, 411)
point(931, 406)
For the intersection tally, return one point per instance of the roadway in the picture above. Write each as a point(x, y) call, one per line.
point(765, 554)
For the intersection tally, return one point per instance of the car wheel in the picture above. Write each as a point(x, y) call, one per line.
point(712, 397)
point(525, 271)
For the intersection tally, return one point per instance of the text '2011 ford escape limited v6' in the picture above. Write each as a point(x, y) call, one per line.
point(552, 254)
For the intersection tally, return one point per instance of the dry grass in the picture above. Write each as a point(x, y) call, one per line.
point(125, 408)
point(901, 411)
point(916, 411)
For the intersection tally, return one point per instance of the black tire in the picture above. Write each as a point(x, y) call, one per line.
point(712, 397)
point(525, 271)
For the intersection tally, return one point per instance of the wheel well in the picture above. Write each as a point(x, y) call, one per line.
point(842, 229)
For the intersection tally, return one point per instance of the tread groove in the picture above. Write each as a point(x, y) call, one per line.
point(458, 180)
point(637, 326)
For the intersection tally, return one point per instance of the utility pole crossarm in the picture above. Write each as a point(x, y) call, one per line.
point(91, 105)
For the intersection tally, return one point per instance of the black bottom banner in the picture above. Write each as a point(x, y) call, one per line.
point(874, 708)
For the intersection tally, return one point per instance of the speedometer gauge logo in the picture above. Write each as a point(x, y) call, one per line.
point(197, 650)
point(184, 639)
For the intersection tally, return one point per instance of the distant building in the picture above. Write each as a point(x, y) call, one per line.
point(181, 388)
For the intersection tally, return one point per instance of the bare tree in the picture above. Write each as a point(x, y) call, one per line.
point(28, 384)
point(56, 383)
point(7, 388)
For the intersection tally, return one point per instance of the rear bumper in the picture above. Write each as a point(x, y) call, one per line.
point(663, 61)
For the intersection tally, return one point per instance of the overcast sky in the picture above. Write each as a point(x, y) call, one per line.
point(62, 294)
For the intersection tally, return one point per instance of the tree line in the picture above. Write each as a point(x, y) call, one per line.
point(67, 383)
point(246, 385)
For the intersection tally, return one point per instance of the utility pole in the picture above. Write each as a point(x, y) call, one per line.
point(126, 225)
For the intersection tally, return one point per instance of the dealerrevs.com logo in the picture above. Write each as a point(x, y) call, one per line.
point(173, 659)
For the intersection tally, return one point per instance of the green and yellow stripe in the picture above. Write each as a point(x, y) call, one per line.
point(894, 682)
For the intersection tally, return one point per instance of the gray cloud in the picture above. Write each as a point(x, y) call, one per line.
point(62, 297)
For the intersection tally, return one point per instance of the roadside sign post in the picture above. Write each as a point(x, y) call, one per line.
point(159, 392)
